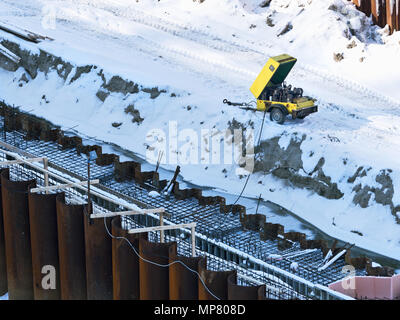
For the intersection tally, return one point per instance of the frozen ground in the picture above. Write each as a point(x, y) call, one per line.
point(205, 52)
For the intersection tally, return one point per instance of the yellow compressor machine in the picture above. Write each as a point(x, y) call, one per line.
point(274, 96)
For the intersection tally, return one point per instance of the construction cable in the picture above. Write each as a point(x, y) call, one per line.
point(248, 177)
point(258, 142)
point(158, 264)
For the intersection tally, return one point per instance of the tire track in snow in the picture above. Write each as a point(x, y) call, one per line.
point(186, 30)
point(197, 35)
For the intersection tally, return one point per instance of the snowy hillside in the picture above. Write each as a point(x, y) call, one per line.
point(338, 168)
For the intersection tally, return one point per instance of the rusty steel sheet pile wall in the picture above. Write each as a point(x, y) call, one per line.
point(71, 247)
point(383, 12)
point(44, 242)
point(37, 128)
point(154, 279)
point(183, 283)
point(98, 251)
point(125, 262)
point(3, 268)
point(17, 236)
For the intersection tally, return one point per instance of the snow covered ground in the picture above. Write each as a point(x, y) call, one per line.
point(200, 53)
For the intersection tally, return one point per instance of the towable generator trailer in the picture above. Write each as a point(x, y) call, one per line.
point(274, 96)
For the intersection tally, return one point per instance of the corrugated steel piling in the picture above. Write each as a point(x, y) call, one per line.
point(216, 282)
point(71, 248)
point(3, 268)
point(125, 261)
point(383, 12)
point(17, 237)
point(98, 251)
point(154, 279)
point(183, 283)
point(44, 242)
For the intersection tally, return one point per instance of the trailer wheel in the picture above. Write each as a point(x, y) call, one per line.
point(277, 116)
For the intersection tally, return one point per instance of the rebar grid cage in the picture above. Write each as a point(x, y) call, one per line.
point(275, 289)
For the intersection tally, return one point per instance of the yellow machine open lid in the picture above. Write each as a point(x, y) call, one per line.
point(273, 73)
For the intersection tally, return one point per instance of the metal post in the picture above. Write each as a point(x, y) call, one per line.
point(46, 174)
point(162, 236)
point(13, 124)
point(88, 187)
point(193, 241)
point(258, 203)
point(4, 124)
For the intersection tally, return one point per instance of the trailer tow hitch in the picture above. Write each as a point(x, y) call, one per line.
point(241, 105)
point(229, 103)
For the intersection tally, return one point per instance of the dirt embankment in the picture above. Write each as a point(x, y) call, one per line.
point(34, 63)
point(286, 163)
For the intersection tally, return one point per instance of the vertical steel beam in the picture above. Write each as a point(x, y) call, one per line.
point(382, 18)
point(125, 263)
point(71, 248)
point(162, 235)
point(364, 6)
point(193, 236)
point(261, 294)
point(98, 251)
point(46, 174)
point(44, 242)
point(183, 283)
point(3, 268)
point(17, 237)
point(374, 11)
point(391, 14)
point(154, 279)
